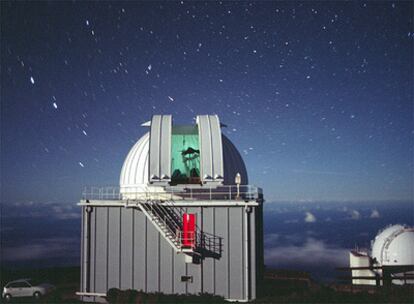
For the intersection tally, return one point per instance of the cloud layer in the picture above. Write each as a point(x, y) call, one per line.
point(354, 214)
point(312, 253)
point(375, 214)
point(61, 211)
point(310, 218)
point(41, 249)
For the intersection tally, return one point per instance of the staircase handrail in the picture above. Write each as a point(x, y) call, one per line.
point(158, 211)
point(202, 239)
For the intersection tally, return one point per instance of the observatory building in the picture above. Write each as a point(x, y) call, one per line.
point(392, 255)
point(184, 219)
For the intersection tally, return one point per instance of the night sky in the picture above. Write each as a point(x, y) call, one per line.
point(317, 96)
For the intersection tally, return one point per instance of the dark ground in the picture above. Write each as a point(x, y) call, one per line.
point(66, 280)
point(279, 286)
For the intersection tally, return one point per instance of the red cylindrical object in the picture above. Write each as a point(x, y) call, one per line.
point(188, 236)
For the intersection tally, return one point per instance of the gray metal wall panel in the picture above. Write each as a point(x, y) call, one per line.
point(127, 243)
point(165, 166)
point(252, 264)
point(166, 267)
point(154, 150)
point(180, 269)
point(221, 266)
point(114, 247)
point(153, 258)
point(93, 250)
point(194, 270)
point(148, 260)
point(216, 146)
point(140, 262)
point(101, 249)
point(236, 253)
point(259, 245)
point(208, 263)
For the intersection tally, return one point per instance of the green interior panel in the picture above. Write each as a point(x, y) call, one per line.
point(185, 155)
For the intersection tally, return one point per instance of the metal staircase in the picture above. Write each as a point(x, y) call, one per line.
point(166, 222)
point(167, 219)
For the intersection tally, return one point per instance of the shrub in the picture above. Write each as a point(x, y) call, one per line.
point(112, 295)
point(116, 296)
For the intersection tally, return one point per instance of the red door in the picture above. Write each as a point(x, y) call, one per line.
point(188, 238)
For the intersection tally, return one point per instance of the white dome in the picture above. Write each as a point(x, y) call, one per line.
point(394, 246)
point(134, 173)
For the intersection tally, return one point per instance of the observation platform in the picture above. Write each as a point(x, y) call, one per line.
point(180, 195)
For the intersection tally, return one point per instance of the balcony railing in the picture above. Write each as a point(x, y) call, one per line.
point(227, 192)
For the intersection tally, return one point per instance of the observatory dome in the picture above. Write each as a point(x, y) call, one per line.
point(394, 246)
point(135, 176)
point(134, 172)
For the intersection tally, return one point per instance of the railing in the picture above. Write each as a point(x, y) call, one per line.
point(101, 193)
point(169, 216)
point(159, 203)
point(187, 239)
point(227, 192)
point(203, 240)
point(159, 213)
point(210, 242)
point(384, 273)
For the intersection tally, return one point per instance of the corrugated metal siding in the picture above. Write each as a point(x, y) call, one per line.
point(221, 227)
point(166, 271)
point(128, 252)
point(114, 248)
point(140, 252)
point(180, 269)
point(101, 255)
point(259, 245)
point(253, 253)
point(127, 247)
point(93, 250)
point(208, 264)
point(236, 252)
point(153, 259)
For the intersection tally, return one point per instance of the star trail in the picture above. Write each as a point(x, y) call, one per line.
point(317, 96)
